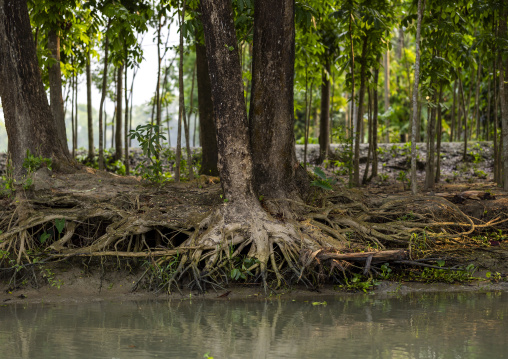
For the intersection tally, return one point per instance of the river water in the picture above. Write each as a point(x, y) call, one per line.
point(437, 325)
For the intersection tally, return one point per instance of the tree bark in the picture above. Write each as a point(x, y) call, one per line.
point(102, 130)
point(271, 119)
point(91, 150)
point(359, 119)
point(126, 122)
point(414, 188)
point(375, 124)
point(324, 124)
point(234, 151)
point(207, 132)
point(503, 93)
point(118, 126)
point(28, 118)
point(454, 107)
point(431, 137)
point(439, 135)
point(55, 88)
point(387, 91)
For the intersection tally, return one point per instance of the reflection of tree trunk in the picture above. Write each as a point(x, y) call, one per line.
point(207, 133)
point(91, 151)
point(55, 88)
point(27, 114)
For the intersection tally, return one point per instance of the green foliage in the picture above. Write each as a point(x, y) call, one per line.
point(150, 138)
point(322, 180)
point(359, 282)
point(240, 267)
point(443, 275)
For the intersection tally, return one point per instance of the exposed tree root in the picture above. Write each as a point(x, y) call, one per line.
point(208, 244)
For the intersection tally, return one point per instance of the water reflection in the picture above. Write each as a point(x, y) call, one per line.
point(414, 326)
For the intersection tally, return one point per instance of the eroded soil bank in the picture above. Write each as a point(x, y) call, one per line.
point(97, 236)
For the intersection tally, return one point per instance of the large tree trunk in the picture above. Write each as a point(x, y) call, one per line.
point(431, 137)
point(503, 93)
point(375, 124)
point(102, 130)
point(234, 151)
point(118, 127)
point(91, 152)
point(271, 111)
point(28, 118)
point(324, 124)
point(55, 88)
point(207, 133)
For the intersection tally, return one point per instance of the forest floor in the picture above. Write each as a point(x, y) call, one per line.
point(93, 235)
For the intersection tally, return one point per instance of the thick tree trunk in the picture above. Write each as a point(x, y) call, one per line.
point(414, 188)
point(477, 101)
point(126, 123)
point(503, 93)
point(28, 117)
point(234, 152)
point(324, 124)
point(91, 151)
point(207, 133)
point(454, 108)
point(118, 127)
point(359, 119)
point(271, 110)
point(55, 88)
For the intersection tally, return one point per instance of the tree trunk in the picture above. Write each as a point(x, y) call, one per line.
point(181, 104)
point(375, 124)
point(439, 135)
point(234, 151)
point(431, 137)
point(454, 109)
point(369, 125)
point(207, 133)
point(55, 88)
point(414, 188)
point(118, 126)
point(24, 100)
point(126, 121)
point(72, 81)
point(387, 91)
point(497, 177)
point(271, 119)
point(359, 119)
point(101, 106)
point(76, 117)
point(503, 93)
point(91, 150)
point(324, 124)
point(477, 100)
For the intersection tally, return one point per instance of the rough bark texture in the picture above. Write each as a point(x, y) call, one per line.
point(207, 133)
point(503, 93)
point(431, 137)
point(234, 152)
point(28, 118)
point(375, 124)
point(324, 124)
point(91, 152)
point(55, 88)
point(118, 127)
point(271, 110)
point(102, 130)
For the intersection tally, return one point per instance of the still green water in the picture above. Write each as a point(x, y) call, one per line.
point(444, 325)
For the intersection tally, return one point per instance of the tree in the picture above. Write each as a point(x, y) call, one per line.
point(414, 188)
point(207, 133)
point(271, 119)
point(24, 100)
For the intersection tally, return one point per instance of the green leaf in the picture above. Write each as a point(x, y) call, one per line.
point(319, 172)
point(324, 184)
point(440, 263)
point(44, 237)
point(60, 224)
